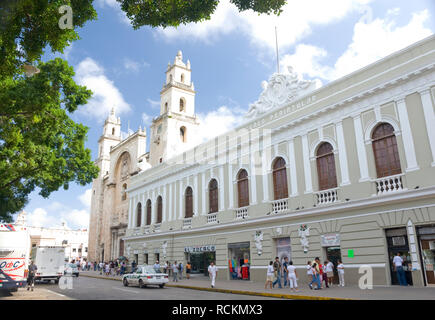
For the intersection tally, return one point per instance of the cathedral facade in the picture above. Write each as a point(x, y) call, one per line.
point(342, 172)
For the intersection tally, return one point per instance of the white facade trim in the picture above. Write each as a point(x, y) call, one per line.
point(429, 117)
point(342, 154)
point(307, 165)
point(361, 149)
point(408, 141)
point(293, 172)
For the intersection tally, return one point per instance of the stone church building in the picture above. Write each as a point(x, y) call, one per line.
point(342, 172)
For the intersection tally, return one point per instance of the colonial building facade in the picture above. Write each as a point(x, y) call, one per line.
point(342, 172)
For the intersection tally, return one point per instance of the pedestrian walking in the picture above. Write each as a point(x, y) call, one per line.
point(180, 270)
point(188, 268)
point(166, 267)
point(175, 272)
point(316, 272)
point(277, 270)
point(398, 268)
point(133, 266)
point(95, 265)
point(310, 275)
point(285, 272)
point(31, 276)
point(330, 272)
point(269, 275)
point(101, 266)
point(340, 269)
point(212, 273)
point(292, 277)
point(324, 274)
point(157, 266)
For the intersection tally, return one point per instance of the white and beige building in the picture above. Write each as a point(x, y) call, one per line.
point(345, 171)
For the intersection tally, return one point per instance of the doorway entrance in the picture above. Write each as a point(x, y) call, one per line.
point(333, 254)
point(200, 261)
point(426, 237)
point(397, 241)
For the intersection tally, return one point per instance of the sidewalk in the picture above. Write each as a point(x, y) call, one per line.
point(334, 293)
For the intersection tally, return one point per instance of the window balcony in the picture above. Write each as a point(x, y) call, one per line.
point(388, 185)
point(279, 206)
point(157, 227)
point(187, 223)
point(327, 196)
point(146, 229)
point(212, 218)
point(242, 213)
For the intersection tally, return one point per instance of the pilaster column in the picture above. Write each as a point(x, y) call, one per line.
point(153, 208)
point(221, 188)
point(164, 201)
point(342, 154)
point(203, 192)
point(408, 141)
point(361, 149)
point(170, 216)
point(429, 117)
point(307, 164)
point(253, 181)
point(265, 168)
point(130, 205)
point(143, 208)
point(195, 195)
point(230, 186)
point(293, 173)
point(180, 214)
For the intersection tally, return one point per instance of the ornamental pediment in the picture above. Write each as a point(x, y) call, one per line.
point(280, 90)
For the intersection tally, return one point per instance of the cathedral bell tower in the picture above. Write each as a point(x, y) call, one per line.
point(174, 131)
point(111, 137)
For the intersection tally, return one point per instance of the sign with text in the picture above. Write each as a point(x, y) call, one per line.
point(208, 248)
point(330, 240)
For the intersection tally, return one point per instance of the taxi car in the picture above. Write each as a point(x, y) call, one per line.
point(71, 269)
point(145, 275)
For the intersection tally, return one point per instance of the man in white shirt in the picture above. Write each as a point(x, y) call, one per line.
point(398, 267)
point(340, 269)
point(330, 272)
point(212, 273)
point(292, 277)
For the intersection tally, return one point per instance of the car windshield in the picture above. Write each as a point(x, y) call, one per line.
point(149, 270)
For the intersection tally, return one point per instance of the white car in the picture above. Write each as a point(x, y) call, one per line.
point(71, 269)
point(145, 275)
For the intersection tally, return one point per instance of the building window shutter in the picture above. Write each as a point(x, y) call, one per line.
point(243, 188)
point(326, 167)
point(213, 196)
point(280, 187)
point(385, 151)
point(189, 203)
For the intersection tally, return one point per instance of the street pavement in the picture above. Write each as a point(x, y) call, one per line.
point(335, 292)
point(87, 288)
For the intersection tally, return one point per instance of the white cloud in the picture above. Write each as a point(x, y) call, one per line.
point(86, 197)
point(115, 5)
point(372, 40)
point(218, 122)
point(295, 22)
point(106, 95)
point(134, 66)
point(154, 103)
point(56, 213)
point(375, 40)
point(146, 119)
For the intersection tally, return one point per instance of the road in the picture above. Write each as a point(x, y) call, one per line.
point(85, 288)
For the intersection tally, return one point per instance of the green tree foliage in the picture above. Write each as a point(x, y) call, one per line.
point(166, 13)
point(40, 146)
point(28, 27)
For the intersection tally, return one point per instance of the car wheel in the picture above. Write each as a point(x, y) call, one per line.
point(141, 283)
point(125, 282)
point(56, 281)
point(161, 285)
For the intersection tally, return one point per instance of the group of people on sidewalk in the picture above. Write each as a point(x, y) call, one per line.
point(113, 267)
point(317, 273)
point(175, 269)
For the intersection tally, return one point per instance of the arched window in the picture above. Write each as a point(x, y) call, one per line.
point(182, 77)
point(124, 192)
point(159, 209)
point(138, 214)
point(148, 212)
point(385, 151)
point(280, 187)
point(213, 195)
point(113, 131)
point(326, 167)
point(166, 107)
point(183, 134)
point(182, 105)
point(189, 202)
point(170, 78)
point(243, 188)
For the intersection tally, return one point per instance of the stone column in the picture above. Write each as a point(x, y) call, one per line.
point(408, 141)
point(429, 117)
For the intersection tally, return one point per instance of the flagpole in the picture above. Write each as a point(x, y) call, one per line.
point(277, 52)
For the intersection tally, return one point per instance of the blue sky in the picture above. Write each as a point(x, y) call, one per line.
point(230, 56)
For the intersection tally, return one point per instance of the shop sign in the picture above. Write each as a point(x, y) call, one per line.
point(208, 248)
point(329, 240)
